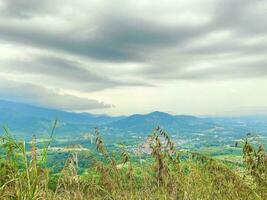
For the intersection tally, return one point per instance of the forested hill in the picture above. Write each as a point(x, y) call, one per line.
point(26, 120)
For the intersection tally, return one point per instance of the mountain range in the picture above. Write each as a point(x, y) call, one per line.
point(26, 120)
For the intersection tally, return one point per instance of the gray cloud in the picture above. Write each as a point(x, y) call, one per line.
point(69, 71)
point(245, 16)
point(69, 74)
point(128, 36)
point(116, 36)
point(26, 8)
point(95, 44)
point(119, 39)
point(190, 70)
point(35, 94)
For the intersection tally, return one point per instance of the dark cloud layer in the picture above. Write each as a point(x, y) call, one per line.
point(69, 73)
point(63, 70)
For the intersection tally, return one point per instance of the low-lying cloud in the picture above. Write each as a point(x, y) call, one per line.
point(41, 96)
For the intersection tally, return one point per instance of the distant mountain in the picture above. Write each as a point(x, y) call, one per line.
point(25, 120)
point(243, 124)
point(173, 123)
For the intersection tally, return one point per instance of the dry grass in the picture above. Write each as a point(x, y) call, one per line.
point(167, 177)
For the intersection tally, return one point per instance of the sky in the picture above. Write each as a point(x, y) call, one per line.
point(120, 57)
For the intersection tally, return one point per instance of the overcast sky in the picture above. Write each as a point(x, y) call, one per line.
point(205, 57)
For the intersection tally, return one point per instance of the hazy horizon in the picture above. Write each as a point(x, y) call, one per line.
point(229, 115)
point(202, 58)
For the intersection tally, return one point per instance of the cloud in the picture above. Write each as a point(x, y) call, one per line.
point(118, 35)
point(69, 72)
point(97, 46)
point(38, 95)
point(64, 72)
point(205, 68)
point(115, 40)
point(124, 35)
point(25, 8)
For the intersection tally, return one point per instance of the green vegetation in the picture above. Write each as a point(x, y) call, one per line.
point(163, 173)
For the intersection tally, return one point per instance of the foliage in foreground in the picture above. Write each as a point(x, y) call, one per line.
point(27, 177)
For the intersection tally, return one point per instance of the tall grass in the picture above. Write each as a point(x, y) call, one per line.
point(26, 177)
